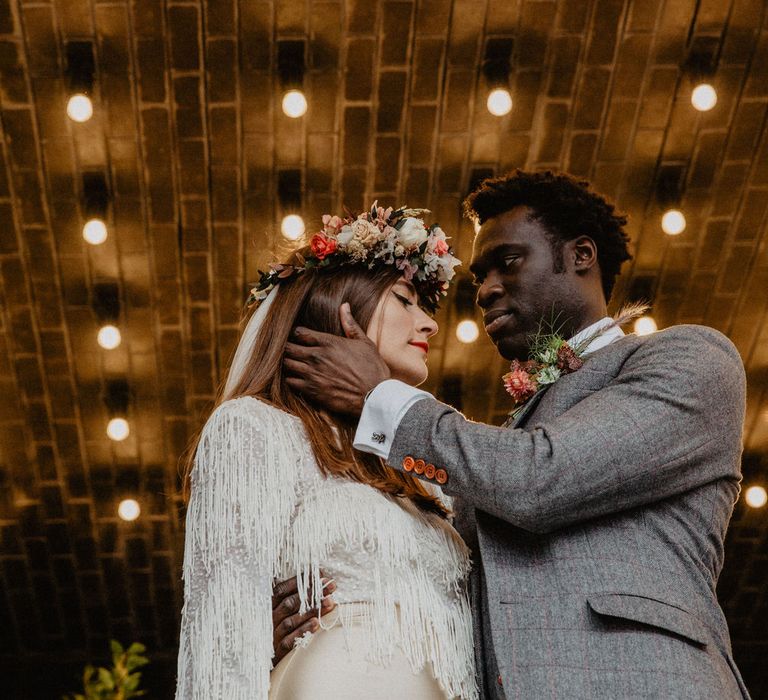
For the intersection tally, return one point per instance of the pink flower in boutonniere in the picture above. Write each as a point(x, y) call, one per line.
point(520, 382)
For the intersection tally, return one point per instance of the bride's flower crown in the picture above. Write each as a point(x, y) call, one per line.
point(377, 237)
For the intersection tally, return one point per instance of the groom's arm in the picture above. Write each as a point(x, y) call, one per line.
point(670, 421)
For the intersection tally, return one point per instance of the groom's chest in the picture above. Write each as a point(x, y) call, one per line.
point(557, 398)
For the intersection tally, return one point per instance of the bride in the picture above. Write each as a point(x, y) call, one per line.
point(277, 491)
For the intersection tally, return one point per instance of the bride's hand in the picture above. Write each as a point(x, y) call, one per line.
point(333, 371)
point(287, 624)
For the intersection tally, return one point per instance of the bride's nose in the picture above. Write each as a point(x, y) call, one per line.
point(426, 324)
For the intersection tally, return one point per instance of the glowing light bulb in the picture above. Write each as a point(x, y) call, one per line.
point(756, 496)
point(499, 102)
point(294, 104)
point(129, 509)
point(95, 231)
point(704, 97)
point(79, 107)
point(118, 429)
point(673, 222)
point(292, 227)
point(645, 325)
point(109, 337)
point(476, 225)
point(467, 331)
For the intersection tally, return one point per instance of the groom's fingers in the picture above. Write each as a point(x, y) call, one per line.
point(348, 323)
point(307, 336)
point(297, 626)
point(288, 624)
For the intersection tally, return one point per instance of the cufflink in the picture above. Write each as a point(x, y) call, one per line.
point(379, 438)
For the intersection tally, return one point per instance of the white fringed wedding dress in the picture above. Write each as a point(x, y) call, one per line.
point(261, 510)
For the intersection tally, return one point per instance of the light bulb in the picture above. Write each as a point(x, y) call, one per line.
point(645, 325)
point(129, 509)
point(294, 104)
point(673, 222)
point(109, 337)
point(467, 331)
point(292, 227)
point(704, 97)
point(499, 102)
point(79, 107)
point(118, 429)
point(95, 231)
point(756, 497)
point(476, 225)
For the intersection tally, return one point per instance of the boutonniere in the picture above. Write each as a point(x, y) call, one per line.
point(552, 356)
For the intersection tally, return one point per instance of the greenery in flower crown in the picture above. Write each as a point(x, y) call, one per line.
point(376, 237)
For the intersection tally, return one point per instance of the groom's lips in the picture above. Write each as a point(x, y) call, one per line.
point(496, 320)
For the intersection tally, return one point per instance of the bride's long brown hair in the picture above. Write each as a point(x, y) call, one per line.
point(312, 300)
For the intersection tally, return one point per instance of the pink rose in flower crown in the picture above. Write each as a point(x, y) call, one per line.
point(440, 247)
point(332, 224)
point(322, 245)
point(382, 215)
point(408, 270)
point(519, 383)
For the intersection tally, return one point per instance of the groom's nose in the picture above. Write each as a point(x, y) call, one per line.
point(489, 291)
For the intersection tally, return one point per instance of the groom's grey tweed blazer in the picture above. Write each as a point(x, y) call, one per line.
point(600, 518)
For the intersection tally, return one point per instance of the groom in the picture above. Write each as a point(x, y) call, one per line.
point(596, 517)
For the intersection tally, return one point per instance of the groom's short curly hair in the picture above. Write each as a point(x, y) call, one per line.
point(566, 207)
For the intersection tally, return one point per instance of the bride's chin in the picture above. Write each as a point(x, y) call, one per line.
point(410, 375)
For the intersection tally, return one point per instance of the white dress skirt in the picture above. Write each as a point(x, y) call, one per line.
point(333, 666)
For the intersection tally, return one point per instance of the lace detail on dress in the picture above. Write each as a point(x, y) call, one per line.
point(260, 509)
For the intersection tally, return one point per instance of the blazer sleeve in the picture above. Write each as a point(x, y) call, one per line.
point(239, 511)
point(669, 421)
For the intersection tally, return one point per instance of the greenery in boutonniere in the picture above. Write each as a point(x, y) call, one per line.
point(551, 356)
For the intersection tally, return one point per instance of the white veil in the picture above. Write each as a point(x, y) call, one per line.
point(246, 344)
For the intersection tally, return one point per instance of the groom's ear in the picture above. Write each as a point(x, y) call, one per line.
point(582, 252)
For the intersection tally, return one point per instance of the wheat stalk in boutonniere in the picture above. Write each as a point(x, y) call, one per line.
point(551, 356)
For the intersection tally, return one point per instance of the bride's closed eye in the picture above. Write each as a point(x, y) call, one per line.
point(406, 301)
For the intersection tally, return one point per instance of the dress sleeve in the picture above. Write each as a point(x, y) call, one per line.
point(244, 488)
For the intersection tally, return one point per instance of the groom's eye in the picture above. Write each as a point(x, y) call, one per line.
point(509, 259)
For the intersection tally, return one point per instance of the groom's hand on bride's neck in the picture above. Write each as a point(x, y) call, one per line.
point(333, 371)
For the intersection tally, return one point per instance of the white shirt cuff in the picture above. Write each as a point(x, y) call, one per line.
point(382, 412)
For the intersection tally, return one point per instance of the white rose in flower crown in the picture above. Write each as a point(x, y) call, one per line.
point(412, 233)
point(447, 263)
point(345, 235)
point(366, 232)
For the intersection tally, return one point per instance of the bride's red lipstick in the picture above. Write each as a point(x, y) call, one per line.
point(423, 346)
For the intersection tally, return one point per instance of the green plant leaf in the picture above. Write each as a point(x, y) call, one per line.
point(132, 682)
point(136, 662)
point(136, 648)
point(106, 679)
point(116, 647)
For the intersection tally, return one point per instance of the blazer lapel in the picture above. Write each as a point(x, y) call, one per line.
point(527, 408)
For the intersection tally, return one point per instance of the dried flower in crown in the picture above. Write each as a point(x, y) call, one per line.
point(380, 236)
